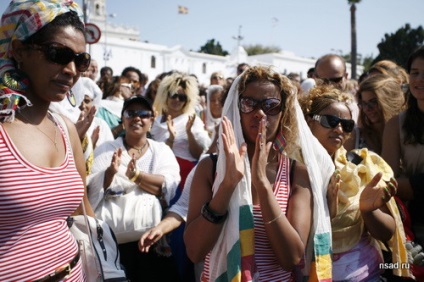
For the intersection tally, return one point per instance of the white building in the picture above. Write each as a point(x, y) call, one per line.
point(120, 46)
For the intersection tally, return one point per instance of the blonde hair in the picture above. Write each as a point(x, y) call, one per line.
point(288, 93)
point(389, 94)
point(390, 68)
point(169, 86)
point(390, 98)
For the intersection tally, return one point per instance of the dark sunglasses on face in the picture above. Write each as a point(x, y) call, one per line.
point(62, 55)
point(180, 97)
point(370, 105)
point(330, 121)
point(270, 106)
point(137, 113)
point(332, 80)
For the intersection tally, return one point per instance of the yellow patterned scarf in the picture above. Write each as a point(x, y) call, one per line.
point(348, 226)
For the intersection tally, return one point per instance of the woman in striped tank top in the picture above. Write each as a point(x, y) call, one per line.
point(42, 171)
point(252, 222)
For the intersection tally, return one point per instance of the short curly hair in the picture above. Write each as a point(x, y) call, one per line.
point(322, 96)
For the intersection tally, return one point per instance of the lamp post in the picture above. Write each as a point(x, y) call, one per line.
point(107, 53)
point(238, 38)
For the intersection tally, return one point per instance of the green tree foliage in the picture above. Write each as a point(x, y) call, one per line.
point(257, 49)
point(213, 48)
point(397, 46)
point(367, 62)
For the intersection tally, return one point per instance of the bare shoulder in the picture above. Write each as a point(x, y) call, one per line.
point(204, 168)
point(70, 126)
point(301, 176)
point(392, 126)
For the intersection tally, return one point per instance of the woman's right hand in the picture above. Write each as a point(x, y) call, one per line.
point(332, 193)
point(234, 156)
point(116, 161)
point(84, 121)
point(149, 238)
point(171, 128)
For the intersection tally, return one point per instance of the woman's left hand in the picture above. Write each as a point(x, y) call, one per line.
point(260, 157)
point(190, 122)
point(131, 168)
point(374, 196)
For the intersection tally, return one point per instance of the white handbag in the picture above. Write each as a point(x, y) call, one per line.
point(130, 215)
point(98, 249)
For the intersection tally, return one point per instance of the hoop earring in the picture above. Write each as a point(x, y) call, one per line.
point(71, 98)
point(15, 80)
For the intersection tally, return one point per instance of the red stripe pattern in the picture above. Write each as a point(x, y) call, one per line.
point(34, 204)
point(268, 267)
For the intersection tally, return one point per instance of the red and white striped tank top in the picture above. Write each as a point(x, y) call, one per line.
point(34, 204)
point(268, 267)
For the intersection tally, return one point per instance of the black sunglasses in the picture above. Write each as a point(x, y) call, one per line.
point(330, 121)
point(180, 97)
point(137, 113)
point(332, 80)
point(270, 106)
point(62, 55)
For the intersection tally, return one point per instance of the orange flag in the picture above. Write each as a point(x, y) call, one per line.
point(182, 10)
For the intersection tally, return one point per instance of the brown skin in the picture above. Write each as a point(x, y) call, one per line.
point(135, 137)
point(288, 234)
point(49, 83)
point(378, 219)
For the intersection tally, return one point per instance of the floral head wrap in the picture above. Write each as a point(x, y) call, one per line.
point(22, 19)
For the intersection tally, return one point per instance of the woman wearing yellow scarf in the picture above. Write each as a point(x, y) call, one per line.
point(359, 195)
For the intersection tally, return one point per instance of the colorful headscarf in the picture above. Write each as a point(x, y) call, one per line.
point(22, 19)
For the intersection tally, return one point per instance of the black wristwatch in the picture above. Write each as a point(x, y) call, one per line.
point(211, 216)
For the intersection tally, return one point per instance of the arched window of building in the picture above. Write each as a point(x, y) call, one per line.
point(153, 62)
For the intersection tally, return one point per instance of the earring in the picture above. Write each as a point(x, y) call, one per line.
point(15, 80)
point(71, 98)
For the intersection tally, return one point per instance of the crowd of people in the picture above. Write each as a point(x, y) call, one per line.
point(254, 177)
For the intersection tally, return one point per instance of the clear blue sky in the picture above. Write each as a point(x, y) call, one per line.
point(309, 28)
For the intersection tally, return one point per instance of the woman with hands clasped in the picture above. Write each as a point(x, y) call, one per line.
point(359, 194)
point(177, 124)
point(253, 221)
point(132, 177)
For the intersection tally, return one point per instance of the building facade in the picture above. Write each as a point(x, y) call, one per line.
point(120, 46)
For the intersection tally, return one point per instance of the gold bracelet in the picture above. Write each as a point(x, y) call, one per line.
point(275, 219)
point(136, 174)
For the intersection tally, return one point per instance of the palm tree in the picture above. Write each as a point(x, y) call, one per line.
point(353, 55)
